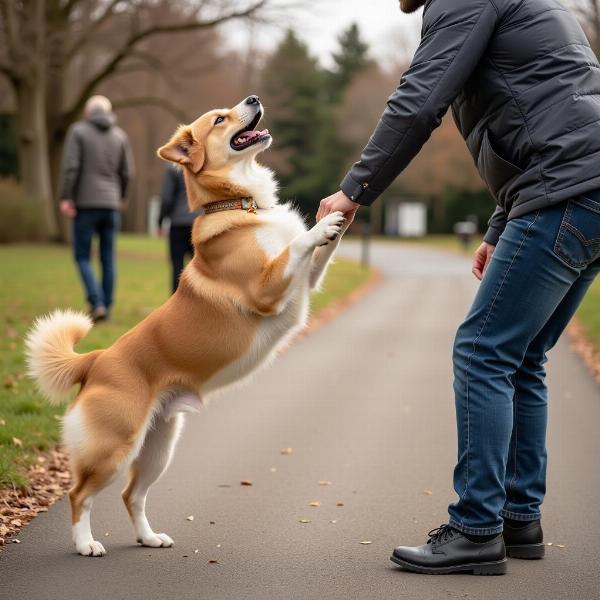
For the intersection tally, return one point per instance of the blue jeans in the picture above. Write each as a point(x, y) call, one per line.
point(540, 271)
point(104, 222)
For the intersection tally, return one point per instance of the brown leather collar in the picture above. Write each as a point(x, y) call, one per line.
point(247, 204)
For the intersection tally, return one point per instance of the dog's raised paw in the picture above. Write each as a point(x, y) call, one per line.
point(94, 548)
point(158, 540)
point(329, 228)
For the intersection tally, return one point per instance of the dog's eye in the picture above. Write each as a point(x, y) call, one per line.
point(219, 120)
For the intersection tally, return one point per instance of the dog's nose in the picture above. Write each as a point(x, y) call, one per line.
point(252, 100)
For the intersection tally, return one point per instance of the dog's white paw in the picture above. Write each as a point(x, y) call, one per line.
point(328, 228)
point(158, 540)
point(92, 548)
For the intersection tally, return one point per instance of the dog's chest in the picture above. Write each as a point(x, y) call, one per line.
point(280, 227)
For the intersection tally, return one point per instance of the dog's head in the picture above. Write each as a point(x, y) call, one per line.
point(217, 149)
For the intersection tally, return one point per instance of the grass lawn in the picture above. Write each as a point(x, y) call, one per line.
point(589, 313)
point(37, 279)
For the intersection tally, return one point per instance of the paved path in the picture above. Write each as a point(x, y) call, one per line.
point(365, 402)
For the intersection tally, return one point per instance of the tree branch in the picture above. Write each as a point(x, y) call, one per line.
point(153, 101)
point(136, 38)
point(95, 25)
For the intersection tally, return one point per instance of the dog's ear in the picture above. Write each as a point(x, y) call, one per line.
point(182, 149)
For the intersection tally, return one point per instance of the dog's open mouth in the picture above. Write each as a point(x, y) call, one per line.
point(249, 135)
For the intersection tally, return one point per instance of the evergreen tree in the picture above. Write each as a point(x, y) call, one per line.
point(301, 122)
point(350, 59)
point(302, 101)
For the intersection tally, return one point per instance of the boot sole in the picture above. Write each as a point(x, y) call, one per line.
point(526, 551)
point(486, 568)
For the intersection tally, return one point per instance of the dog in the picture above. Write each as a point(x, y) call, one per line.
point(243, 296)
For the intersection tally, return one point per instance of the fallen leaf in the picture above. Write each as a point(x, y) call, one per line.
point(287, 451)
point(339, 504)
point(428, 492)
point(16, 523)
point(324, 482)
point(213, 562)
point(16, 541)
point(315, 504)
point(212, 522)
point(17, 442)
point(246, 482)
point(560, 545)
point(304, 521)
point(190, 518)
point(366, 542)
point(2, 422)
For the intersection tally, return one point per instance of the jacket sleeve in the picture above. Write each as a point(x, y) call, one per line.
point(126, 167)
point(71, 166)
point(454, 38)
point(168, 194)
point(496, 226)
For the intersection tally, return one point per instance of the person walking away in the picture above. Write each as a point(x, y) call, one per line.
point(524, 85)
point(174, 206)
point(97, 169)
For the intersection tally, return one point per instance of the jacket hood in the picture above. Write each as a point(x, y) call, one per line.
point(102, 120)
point(409, 6)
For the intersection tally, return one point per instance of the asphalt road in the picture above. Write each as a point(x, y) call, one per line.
point(364, 403)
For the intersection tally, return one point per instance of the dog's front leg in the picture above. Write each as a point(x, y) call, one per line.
point(291, 268)
point(321, 258)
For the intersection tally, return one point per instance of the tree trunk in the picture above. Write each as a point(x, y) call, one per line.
point(33, 148)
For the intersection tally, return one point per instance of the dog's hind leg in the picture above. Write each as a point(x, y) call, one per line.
point(89, 480)
point(150, 464)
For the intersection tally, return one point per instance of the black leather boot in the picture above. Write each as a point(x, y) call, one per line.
point(526, 541)
point(449, 551)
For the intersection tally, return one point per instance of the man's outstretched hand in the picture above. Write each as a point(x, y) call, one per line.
point(482, 258)
point(338, 201)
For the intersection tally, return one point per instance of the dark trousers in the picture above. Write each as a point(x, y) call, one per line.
point(540, 271)
point(105, 223)
point(180, 245)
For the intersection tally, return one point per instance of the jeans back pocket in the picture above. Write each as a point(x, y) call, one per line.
point(578, 240)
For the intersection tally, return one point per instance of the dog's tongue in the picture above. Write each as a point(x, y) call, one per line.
point(248, 135)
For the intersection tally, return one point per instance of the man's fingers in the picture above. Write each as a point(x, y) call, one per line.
point(323, 210)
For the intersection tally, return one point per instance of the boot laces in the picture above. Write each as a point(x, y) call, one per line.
point(440, 534)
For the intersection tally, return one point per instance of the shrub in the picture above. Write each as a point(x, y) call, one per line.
point(21, 217)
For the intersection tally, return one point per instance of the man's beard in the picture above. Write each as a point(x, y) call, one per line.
point(409, 6)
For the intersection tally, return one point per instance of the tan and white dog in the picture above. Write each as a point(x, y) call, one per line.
point(244, 294)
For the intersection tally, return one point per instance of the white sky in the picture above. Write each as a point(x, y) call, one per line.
point(389, 32)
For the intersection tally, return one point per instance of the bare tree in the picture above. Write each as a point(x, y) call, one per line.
point(43, 41)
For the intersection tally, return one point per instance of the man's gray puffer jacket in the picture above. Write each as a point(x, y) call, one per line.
point(524, 86)
point(97, 163)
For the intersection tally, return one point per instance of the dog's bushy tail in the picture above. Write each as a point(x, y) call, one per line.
point(51, 360)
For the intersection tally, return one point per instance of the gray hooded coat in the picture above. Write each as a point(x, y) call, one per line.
point(97, 163)
point(524, 86)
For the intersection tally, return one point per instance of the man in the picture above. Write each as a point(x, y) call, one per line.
point(174, 206)
point(525, 92)
point(96, 171)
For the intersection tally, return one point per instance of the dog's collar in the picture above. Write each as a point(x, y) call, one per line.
point(247, 204)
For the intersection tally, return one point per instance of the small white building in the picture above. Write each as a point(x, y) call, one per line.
point(405, 218)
